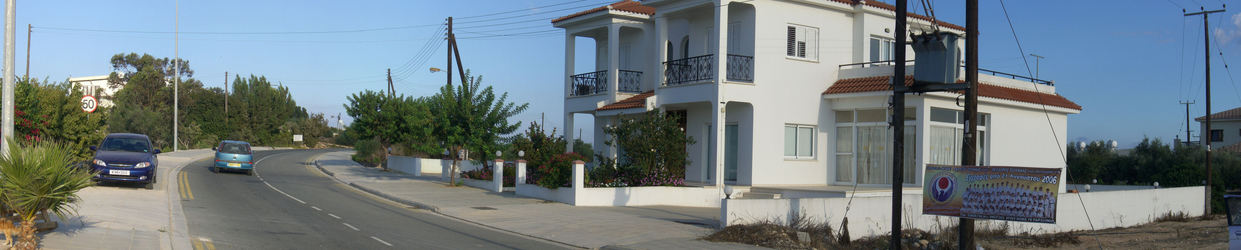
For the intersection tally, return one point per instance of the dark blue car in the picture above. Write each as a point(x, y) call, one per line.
point(125, 157)
point(233, 156)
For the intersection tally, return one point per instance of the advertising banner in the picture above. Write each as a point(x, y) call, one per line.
point(993, 193)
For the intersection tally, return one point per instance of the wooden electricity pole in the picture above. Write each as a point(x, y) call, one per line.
point(226, 100)
point(391, 89)
point(1187, 131)
point(897, 121)
point(1207, 139)
point(28, 29)
point(969, 150)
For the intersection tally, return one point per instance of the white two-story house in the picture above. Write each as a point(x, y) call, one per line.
point(781, 93)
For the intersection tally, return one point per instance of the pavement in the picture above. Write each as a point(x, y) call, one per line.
point(117, 216)
point(653, 227)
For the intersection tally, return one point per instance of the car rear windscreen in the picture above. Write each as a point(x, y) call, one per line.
point(235, 148)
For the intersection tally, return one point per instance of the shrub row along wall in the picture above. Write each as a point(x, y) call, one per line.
point(871, 216)
point(579, 195)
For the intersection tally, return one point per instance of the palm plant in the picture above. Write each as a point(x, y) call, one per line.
point(38, 177)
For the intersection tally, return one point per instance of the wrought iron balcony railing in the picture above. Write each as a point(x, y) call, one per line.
point(740, 68)
point(630, 81)
point(688, 70)
point(589, 83)
point(701, 68)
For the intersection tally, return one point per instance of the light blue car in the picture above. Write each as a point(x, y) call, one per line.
point(233, 156)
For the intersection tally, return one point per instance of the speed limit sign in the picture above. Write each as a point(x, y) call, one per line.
point(89, 104)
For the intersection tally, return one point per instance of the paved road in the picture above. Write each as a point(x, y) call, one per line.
point(287, 205)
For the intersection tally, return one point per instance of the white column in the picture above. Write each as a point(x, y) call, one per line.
point(579, 175)
point(613, 59)
point(569, 48)
point(497, 177)
point(661, 48)
point(521, 173)
point(721, 42)
point(718, 106)
point(568, 131)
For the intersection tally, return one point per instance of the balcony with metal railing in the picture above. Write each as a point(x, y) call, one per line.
point(629, 81)
point(702, 68)
point(589, 83)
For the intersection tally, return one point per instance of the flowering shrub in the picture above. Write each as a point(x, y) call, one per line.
point(556, 173)
point(486, 174)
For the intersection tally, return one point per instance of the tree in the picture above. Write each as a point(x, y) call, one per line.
point(392, 120)
point(470, 118)
point(583, 148)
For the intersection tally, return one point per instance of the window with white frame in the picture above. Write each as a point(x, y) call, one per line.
point(803, 42)
point(798, 141)
point(881, 49)
point(863, 147)
point(947, 132)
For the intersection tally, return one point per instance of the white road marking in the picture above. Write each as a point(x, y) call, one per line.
point(381, 241)
point(351, 226)
point(316, 208)
point(256, 163)
point(334, 216)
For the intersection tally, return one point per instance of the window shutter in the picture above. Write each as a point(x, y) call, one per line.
point(791, 48)
point(801, 42)
point(874, 50)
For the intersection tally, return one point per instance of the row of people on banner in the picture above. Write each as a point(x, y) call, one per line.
point(1008, 199)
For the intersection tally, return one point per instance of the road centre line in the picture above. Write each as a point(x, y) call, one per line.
point(334, 216)
point(381, 241)
point(256, 163)
point(316, 208)
point(351, 227)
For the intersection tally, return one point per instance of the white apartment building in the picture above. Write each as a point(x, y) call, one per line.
point(793, 93)
point(96, 86)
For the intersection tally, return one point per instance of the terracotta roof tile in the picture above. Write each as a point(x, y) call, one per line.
point(883, 83)
point(637, 101)
point(624, 5)
point(1226, 114)
point(889, 7)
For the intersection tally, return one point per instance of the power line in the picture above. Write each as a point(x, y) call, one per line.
point(1046, 114)
point(512, 34)
point(241, 33)
point(512, 11)
point(530, 14)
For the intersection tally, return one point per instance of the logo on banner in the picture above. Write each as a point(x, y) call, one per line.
point(942, 187)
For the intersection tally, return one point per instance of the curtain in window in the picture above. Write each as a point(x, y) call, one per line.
point(844, 154)
point(872, 155)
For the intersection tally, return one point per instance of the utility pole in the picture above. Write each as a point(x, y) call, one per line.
point(969, 150)
point(1187, 131)
point(897, 121)
point(28, 29)
point(10, 20)
point(176, 61)
point(391, 90)
point(1036, 59)
point(1207, 34)
point(226, 100)
point(448, 37)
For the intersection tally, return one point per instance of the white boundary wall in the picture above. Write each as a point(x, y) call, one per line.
point(871, 215)
point(414, 165)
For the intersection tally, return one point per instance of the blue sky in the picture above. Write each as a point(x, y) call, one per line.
point(1128, 63)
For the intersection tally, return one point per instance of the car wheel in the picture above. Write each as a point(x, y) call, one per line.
point(250, 172)
point(215, 169)
point(150, 185)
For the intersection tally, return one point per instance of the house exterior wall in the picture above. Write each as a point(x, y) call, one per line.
point(788, 90)
point(1231, 128)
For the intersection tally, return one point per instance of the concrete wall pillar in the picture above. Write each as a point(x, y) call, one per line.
point(579, 174)
point(521, 173)
point(497, 177)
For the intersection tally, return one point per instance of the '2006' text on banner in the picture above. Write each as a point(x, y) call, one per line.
point(994, 193)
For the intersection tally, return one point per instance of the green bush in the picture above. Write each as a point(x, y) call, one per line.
point(369, 152)
point(39, 177)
